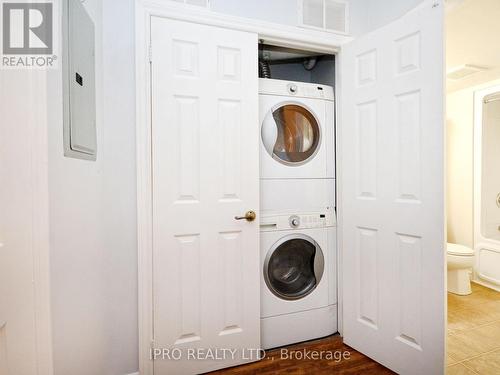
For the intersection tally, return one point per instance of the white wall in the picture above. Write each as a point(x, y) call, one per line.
point(472, 27)
point(365, 15)
point(93, 214)
point(460, 131)
point(278, 11)
point(459, 120)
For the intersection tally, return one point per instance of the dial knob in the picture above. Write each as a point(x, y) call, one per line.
point(294, 221)
point(292, 88)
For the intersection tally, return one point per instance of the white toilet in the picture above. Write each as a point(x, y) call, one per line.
point(460, 260)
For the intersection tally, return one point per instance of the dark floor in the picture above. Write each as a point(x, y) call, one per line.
point(272, 363)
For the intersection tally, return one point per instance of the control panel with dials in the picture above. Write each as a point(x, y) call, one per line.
point(297, 221)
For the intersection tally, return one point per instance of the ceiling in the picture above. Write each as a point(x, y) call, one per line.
point(472, 37)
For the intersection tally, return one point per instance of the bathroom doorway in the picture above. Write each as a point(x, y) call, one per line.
point(473, 186)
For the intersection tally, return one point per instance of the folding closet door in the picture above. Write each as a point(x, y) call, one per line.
point(205, 174)
point(392, 198)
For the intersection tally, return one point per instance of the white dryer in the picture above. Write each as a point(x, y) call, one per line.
point(297, 129)
point(298, 277)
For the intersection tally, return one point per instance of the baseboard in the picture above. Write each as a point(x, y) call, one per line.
point(134, 373)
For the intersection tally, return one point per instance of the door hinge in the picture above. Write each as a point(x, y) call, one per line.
point(150, 53)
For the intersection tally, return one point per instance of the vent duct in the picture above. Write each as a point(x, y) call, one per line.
point(329, 15)
point(264, 69)
point(463, 71)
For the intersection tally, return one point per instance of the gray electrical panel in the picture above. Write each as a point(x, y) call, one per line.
point(80, 138)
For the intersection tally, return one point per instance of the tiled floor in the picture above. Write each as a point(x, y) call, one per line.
point(474, 332)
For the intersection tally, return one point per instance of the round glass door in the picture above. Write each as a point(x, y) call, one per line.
point(293, 267)
point(291, 134)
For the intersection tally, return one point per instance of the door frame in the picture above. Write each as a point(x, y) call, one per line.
point(282, 35)
point(41, 224)
point(37, 191)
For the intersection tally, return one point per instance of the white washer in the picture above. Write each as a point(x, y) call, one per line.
point(298, 277)
point(297, 129)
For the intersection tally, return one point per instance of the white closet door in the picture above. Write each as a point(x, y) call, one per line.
point(205, 139)
point(392, 199)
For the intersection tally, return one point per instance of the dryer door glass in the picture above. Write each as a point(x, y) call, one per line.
point(294, 268)
point(298, 137)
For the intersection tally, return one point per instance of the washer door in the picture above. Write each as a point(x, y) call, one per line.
point(293, 267)
point(291, 133)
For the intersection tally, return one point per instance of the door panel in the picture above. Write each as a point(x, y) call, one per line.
point(392, 201)
point(205, 149)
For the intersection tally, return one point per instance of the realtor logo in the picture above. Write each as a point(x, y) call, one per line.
point(28, 34)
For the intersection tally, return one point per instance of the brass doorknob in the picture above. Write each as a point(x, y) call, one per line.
point(249, 216)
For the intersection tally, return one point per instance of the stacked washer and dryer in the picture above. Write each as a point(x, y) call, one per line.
point(298, 225)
